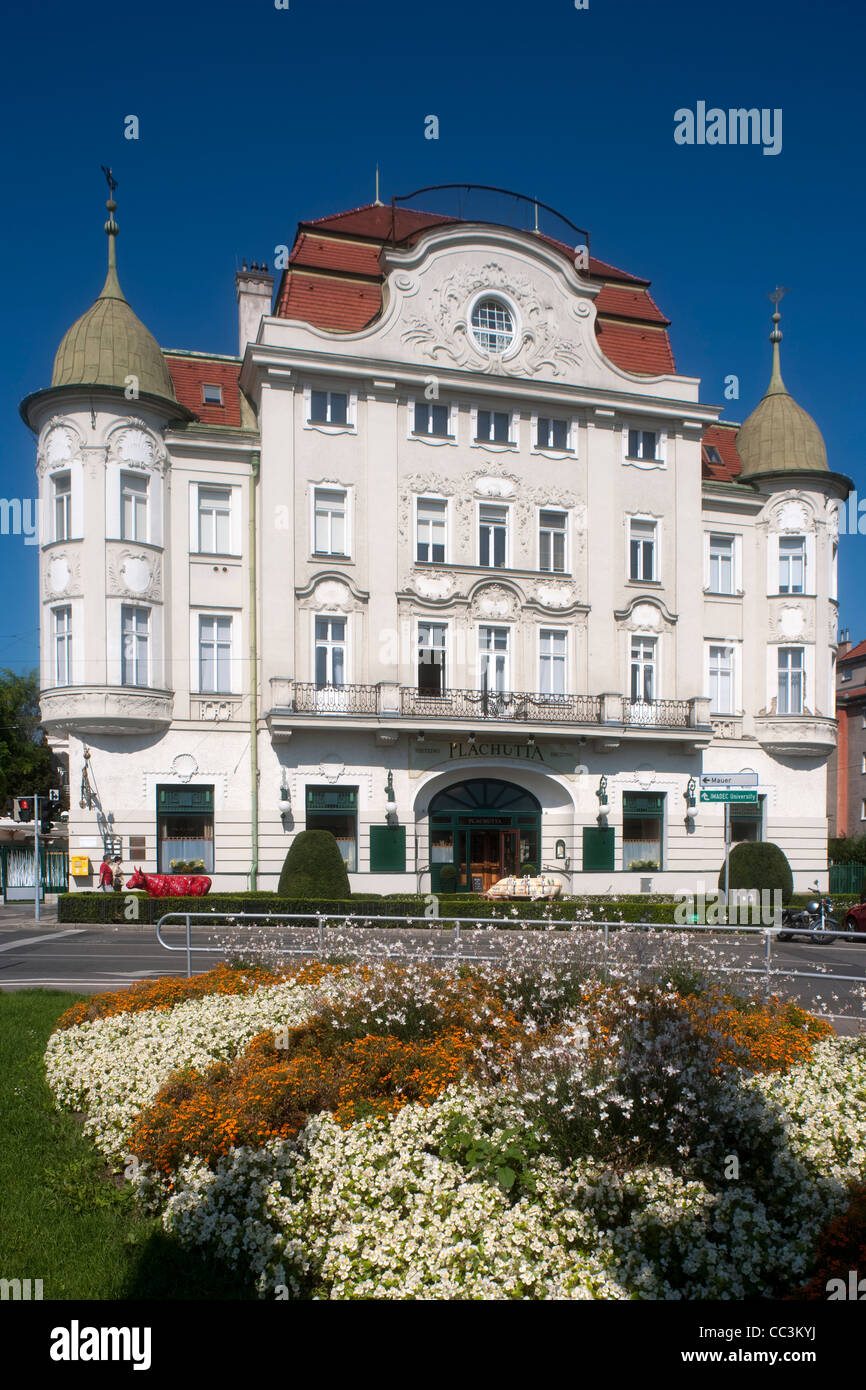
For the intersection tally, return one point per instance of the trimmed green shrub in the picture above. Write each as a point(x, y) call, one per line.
point(757, 864)
point(314, 867)
point(528, 870)
point(448, 878)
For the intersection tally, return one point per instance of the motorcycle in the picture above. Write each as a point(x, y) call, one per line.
point(816, 916)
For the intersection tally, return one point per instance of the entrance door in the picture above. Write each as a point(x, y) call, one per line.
point(492, 855)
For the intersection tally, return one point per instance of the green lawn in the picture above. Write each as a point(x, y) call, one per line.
point(64, 1220)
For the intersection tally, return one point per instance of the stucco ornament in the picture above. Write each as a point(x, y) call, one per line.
point(444, 332)
point(555, 595)
point(494, 487)
point(134, 446)
point(136, 573)
point(332, 594)
point(434, 586)
point(493, 601)
point(184, 766)
point(645, 618)
point(793, 516)
point(59, 445)
point(792, 621)
point(58, 575)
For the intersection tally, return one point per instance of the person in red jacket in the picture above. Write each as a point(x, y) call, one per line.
point(106, 874)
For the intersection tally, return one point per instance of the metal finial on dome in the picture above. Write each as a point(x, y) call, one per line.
point(776, 385)
point(111, 289)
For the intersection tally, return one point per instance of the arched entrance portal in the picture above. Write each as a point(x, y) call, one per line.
point(486, 829)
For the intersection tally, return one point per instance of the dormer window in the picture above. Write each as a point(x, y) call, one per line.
point(212, 395)
point(492, 326)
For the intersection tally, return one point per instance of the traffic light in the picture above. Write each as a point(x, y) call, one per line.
point(44, 823)
point(23, 808)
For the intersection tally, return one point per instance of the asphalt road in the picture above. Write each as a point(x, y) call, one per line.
point(89, 959)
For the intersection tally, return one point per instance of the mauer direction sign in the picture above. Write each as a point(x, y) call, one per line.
point(728, 779)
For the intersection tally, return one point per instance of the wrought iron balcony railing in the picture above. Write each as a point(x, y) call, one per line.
point(490, 704)
point(668, 714)
point(310, 698)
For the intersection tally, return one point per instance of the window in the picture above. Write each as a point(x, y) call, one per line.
point(431, 522)
point(493, 426)
point(863, 810)
point(722, 564)
point(791, 696)
point(62, 645)
point(642, 822)
point(552, 659)
point(493, 659)
point(214, 655)
point(792, 564)
point(62, 487)
point(847, 673)
point(863, 763)
point(184, 826)
point(492, 536)
point(492, 325)
point(330, 652)
point(643, 445)
point(134, 623)
point(212, 395)
point(721, 680)
point(336, 809)
point(329, 407)
point(431, 658)
point(133, 507)
point(642, 550)
point(552, 434)
point(331, 536)
point(214, 521)
point(711, 454)
point(431, 419)
point(643, 668)
point(551, 542)
point(746, 820)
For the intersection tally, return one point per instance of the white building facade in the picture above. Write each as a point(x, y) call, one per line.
point(449, 561)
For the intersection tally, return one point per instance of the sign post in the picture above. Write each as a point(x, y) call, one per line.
point(728, 787)
point(37, 868)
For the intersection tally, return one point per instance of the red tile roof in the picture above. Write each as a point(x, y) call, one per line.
point(722, 438)
point(334, 280)
point(191, 372)
point(856, 654)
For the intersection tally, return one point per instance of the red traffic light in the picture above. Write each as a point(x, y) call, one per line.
point(25, 808)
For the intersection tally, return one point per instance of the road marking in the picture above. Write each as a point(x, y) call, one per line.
point(52, 936)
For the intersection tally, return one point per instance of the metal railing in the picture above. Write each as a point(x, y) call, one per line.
point(526, 706)
point(310, 698)
point(322, 924)
point(669, 714)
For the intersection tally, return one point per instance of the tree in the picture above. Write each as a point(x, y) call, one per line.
point(27, 765)
point(759, 865)
point(314, 868)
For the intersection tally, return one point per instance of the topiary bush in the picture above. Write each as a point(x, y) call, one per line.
point(448, 878)
point(314, 868)
point(757, 864)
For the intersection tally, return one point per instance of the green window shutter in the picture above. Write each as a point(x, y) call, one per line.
point(597, 848)
point(179, 799)
point(332, 798)
point(643, 803)
point(387, 849)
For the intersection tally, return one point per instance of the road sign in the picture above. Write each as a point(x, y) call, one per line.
point(729, 779)
point(729, 794)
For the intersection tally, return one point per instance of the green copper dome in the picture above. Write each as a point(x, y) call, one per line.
point(780, 436)
point(109, 343)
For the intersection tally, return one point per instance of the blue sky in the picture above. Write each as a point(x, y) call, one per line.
point(253, 118)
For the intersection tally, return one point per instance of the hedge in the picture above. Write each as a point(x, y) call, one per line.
point(112, 907)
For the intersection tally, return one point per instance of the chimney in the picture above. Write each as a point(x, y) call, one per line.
point(254, 288)
point(844, 644)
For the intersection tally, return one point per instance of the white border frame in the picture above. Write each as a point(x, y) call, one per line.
point(508, 302)
point(324, 486)
point(347, 643)
point(351, 425)
point(431, 497)
point(736, 563)
point(509, 538)
point(656, 521)
point(510, 628)
point(235, 501)
point(563, 511)
point(661, 445)
point(437, 439)
point(552, 627)
point(195, 616)
point(496, 446)
point(736, 646)
point(550, 451)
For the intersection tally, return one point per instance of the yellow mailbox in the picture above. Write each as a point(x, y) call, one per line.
point(79, 866)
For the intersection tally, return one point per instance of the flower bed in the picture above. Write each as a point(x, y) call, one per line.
point(408, 1131)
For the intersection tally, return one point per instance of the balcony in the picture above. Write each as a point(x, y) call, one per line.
point(796, 735)
point(486, 704)
point(605, 718)
point(105, 709)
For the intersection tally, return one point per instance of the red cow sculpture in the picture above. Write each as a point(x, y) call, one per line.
point(170, 885)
